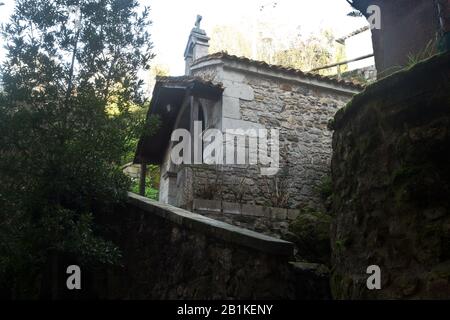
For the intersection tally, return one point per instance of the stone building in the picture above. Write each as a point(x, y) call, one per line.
point(226, 92)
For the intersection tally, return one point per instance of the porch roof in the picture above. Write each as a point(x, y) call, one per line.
point(170, 91)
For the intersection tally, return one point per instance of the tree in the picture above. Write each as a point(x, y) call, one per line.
point(229, 39)
point(306, 53)
point(61, 146)
point(157, 70)
point(303, 52)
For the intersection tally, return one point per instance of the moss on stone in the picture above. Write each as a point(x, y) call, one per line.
point(394, 83)
point(406, 172)
point(390, 180)
point(311, 233)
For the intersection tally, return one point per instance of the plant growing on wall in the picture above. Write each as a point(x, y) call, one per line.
point(427, 52)
point(277, 189)
point(239, 188)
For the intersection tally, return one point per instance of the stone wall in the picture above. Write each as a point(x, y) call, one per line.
point(301, 113)
point(391, 173)
point(271, 100)
point(169, 253)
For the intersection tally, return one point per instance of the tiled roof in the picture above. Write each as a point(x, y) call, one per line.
point(292, 71)
point(170, 91)
point(188, 80)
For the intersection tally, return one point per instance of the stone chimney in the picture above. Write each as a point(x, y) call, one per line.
point(197, 45)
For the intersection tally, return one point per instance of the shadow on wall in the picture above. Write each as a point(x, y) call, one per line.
point(170, 253)
point(391, 186)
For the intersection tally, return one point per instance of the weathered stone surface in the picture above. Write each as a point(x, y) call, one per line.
point(169, 253)
point(209, 226)
point(266, 220)
point(298, 107)
point(293, 214)
point(232, 109)
point(301, 113)
point(391, 186)
point(238, 90)
point(255, 211)
point(207, 205)
point(312, 276)
point(230, 207)
point(278, 213)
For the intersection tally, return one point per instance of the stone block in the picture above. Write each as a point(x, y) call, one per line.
point(251, 210)
point(234, 124)
point(231, 208)
point(240, 91)
point(278, 213)
point(230, 76)
point(207, 205)
point(231, 107)
point(293, 214)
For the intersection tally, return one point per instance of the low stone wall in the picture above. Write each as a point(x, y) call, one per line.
point(170, 253)
point(391, 190)
point(267, 220)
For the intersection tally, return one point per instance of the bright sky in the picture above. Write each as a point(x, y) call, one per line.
point(174, 19)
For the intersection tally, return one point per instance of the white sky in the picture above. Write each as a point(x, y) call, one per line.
point(174, 19)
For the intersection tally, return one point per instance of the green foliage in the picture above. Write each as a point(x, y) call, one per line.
point(304, 52)
point(325, 189)
point(151, 183)
point(150, 192)
point(69, 63)
point(311, 234)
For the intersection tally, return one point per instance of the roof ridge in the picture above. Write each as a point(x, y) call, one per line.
point(188, 79)
point(225, 55)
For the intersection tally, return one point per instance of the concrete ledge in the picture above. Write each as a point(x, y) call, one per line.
point(231, 208)
point(217, 206)
point(278, 213)
point(292, 214)
point(207, 205)
point(220, 230)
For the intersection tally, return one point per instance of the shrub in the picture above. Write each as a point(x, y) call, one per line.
point(311, 234)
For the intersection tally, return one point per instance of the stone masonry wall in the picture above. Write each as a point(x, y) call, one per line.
point(169, 253)
point(391, 186)
point(301, 113)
